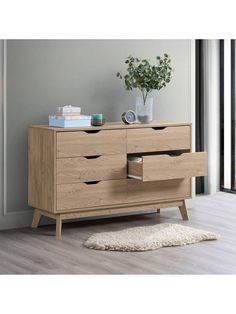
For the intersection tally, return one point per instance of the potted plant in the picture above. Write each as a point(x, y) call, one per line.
point(146, 77)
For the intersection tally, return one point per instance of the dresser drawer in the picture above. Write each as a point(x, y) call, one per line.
point(95, 168)
point(89, 143)
point(139, 191)
point(165, 167)
point(82, 195)
point(158, 139)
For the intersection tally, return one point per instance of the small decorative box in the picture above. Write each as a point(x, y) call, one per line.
point(68, 109)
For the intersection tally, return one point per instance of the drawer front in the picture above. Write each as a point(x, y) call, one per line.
point(87, 143)
point(139, 191)
point(82, 169)
point(158, 139)
point(82, 195)
point(166, 167)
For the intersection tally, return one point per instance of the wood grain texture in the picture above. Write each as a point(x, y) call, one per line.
point(99, 213)
point(72, 144)
point(41, 169)
point(184, 211)
point(139, 191)
point(114, 192)
point(37, 251)
point(89, 173)
point(165, 167)
point(151, 140)
point(116, 207)
point(36, 218)
point(81, 195)
point(80, 169)
point(116, 126)
point(58, 226)
point(129, 208)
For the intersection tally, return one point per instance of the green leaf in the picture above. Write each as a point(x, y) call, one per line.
point(146, 77)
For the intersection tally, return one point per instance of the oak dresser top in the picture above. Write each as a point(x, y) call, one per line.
point(115, 125)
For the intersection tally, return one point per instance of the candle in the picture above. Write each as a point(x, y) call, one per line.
point(97, 119)
point(97, 116)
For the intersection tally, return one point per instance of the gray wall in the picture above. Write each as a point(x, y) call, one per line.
point(42, 74)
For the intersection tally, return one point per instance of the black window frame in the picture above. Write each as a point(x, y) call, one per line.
point(199, 120)
point(233, 187)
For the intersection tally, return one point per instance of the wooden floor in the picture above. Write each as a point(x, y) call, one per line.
point(27, 251)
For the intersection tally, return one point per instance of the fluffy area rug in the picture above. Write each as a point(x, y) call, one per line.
point(148, 238)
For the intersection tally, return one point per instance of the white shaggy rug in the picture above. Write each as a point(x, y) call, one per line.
point(148, 238)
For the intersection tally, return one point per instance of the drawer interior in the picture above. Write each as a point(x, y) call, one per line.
point(174, 165)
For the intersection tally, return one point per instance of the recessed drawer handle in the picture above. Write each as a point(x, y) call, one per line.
point(92, 182)
point(92, 131)
point(92, 157)
point(176, 156)
point(159, 128)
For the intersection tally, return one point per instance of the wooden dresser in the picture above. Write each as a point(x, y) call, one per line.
point(93, 171)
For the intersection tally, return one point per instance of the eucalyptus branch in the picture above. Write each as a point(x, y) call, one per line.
point(143, 94)
point(146, 77)
point(144, 101)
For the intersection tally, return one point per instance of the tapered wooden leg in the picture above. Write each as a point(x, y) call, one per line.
point(184, 211)
point(158, 210)
point(36, 219)
point(58, 226)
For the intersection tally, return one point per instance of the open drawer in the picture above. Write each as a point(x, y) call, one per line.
point(165, 167)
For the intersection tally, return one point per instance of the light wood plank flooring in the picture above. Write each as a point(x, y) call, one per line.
point(27, 251)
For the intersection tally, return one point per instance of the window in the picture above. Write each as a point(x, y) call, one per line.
point(227, 115)
point(199, 107)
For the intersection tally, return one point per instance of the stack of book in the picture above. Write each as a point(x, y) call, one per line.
point(69, 117)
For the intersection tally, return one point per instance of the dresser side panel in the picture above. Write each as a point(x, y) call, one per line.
point(41, 169)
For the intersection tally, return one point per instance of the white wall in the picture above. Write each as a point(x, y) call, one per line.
point(42, 74)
